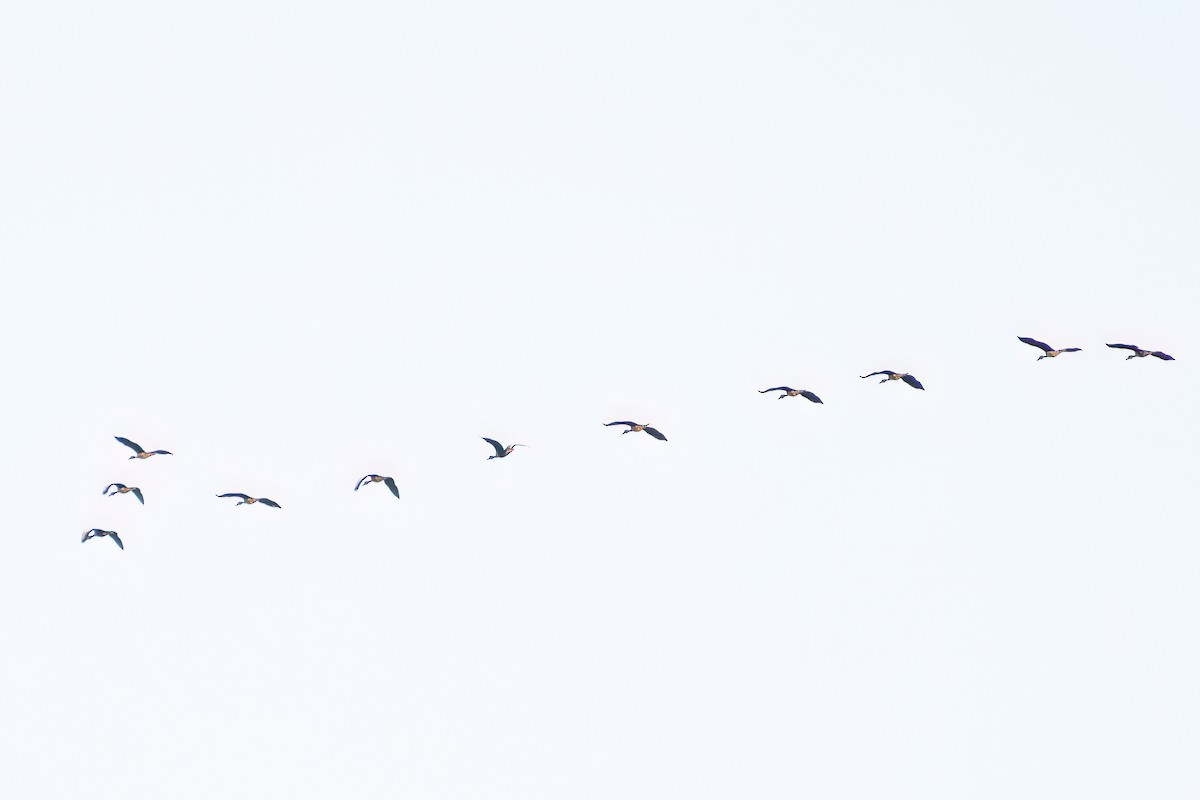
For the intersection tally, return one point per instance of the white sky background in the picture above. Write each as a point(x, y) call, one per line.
point(296, 243)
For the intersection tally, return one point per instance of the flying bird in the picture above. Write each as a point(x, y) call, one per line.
point(634, 427)
point(137, 448)
point(897, 376)
point(790, 392)
point(389, 482)
point(1050, 351)
point(1140, 353)
point(96, 533)
point(248, 500)
point(501, 450)
point(120, 488)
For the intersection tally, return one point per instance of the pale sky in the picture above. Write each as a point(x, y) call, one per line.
point(295, 243)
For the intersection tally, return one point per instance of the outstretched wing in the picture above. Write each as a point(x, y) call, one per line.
point(1124, 346)
point(138, 494)
point(137, 448)
point(361, 481)
point(1035, 343)
point(1071, 350)
point(235, 494)
point(655, 434)
point(270, 503)
point(499, 447)
point(89, 534)
point(391, 484)
point(807, 395)
point(881, 372)
point(1162, 355)
point(913, 382)
point(776, 389)
point(111, 485)
point(117, 539)
point(161, 453)
point(624, 422)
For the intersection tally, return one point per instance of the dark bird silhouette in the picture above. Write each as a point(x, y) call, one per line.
point(1050, 351)
point(501, 450)
point(137, 448)
point(634, 427)
point(389, 482)
point(897, 376)
point(96, 533)
point(120, 488)
point(248, 500)
point(1140, 353)
point(790, 392)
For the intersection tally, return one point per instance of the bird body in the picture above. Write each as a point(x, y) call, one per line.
point(96, 533)
point(248, 500)
point(501, 450)
point(897, 376)
point(1140, 353)
point(389, 482)
point(141, 452)
point(790, 392)
point(1050, 352)
point(120, 488)
point(634, 427)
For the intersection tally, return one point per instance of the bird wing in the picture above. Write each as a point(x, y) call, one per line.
point(499, 447)
point(1035, 343)
point(87, 535)
point(137, 448)
point(117, 539)
point(623, 422)
point(881, 372)
point(138, 494)
point(655, 434)
point(913, 382)
point(1162, 355)
point(235, 494)
point(270, 503)
point(391, 484)
point(1071, 350)
point(361, 481)
point(111, 485)
point(1124, 346)
point(806, 394)
point(161, 453)
point(777, 389)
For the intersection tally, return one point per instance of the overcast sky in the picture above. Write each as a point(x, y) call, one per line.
point(295, 243)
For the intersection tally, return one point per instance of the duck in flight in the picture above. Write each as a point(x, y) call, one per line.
point(501, 450)
point(120, 488)
point(790, 392)
point(897, 376)
point(634, 427)
point(387, 481)
point(96, 533)
point(1140, 353)
point(248, 500)
point(137, 448)
point(1050, 351)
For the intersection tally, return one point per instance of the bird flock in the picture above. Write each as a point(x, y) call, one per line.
point(114, 489)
